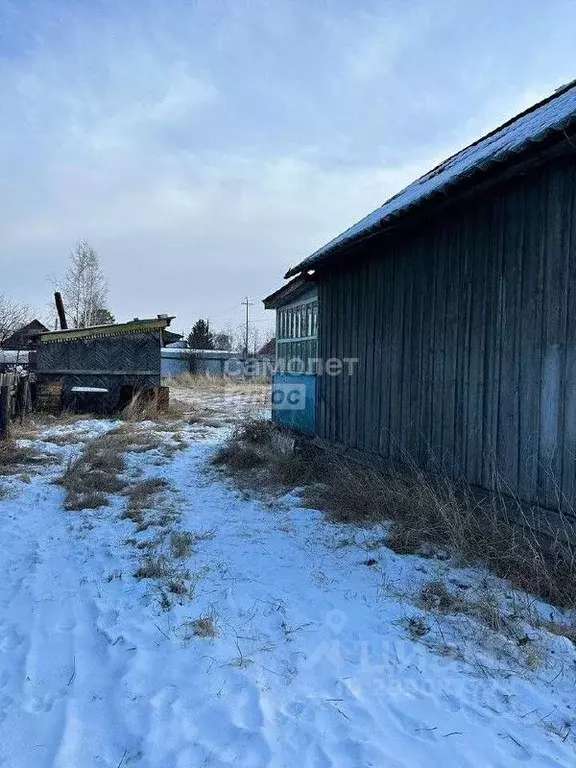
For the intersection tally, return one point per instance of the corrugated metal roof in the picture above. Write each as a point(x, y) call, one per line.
point(95, 331)
point(532, 126)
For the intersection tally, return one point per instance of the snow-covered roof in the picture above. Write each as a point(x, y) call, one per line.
point(530, 127)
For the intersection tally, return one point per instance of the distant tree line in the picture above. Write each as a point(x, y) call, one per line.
point(202, 337)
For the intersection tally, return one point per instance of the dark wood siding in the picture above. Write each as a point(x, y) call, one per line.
point(465, 334)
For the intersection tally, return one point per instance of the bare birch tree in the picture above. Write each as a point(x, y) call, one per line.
point(13, 315)
point(84, 287)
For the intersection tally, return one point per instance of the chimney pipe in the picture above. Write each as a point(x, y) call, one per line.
point(60, 309)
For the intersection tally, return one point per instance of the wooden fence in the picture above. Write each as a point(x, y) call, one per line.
point(15, 399)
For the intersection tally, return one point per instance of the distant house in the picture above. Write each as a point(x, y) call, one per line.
point(268, 349)
point(457, 300)
point(20, 339)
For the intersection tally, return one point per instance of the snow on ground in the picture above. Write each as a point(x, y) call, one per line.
point(310, 663)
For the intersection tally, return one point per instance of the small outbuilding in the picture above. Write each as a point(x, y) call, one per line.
point(100, 368)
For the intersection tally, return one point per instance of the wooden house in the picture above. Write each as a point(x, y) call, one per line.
point(457, 300)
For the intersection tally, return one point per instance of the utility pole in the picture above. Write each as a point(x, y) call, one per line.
point(247, 304)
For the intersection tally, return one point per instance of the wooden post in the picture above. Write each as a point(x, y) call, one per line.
point(4, 405)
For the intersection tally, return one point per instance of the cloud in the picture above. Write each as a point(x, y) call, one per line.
point(204, 148)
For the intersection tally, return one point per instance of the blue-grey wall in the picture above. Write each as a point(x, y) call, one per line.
point(465, 335)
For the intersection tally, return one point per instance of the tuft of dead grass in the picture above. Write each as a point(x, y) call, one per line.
point(71, 437)
point(434, 596)
point(141, 496)
point(29, 426)
point(416, 627)
point(151, 568)
point(130, 439)
point(203, 626)
point(562, 629)
point(237, 457)
point(14, 457)
point(94, 473)
point(251, 453)
point(255, 431)
point(142, 407)
point(93, 500)
point(177, 587)
point(181, 543)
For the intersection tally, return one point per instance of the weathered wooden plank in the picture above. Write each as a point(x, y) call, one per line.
point(551, 346)
point(569, 392)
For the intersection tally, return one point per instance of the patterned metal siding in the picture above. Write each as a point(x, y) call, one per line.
point(110, 362)
point(465, 333)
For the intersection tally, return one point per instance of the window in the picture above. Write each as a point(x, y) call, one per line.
point(297, 343)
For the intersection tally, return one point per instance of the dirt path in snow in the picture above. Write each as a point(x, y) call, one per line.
point(310, 665)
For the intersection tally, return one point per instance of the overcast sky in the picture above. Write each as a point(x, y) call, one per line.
point(205, 146)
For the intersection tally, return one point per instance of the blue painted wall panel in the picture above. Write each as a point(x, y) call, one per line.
point(294, 401)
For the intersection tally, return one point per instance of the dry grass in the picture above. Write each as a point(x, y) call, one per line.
point(128, 438)
point(94, 500)
point(427, 512)
point(142, 494)
point(177, 587)
point(95, 472)
point(434, 596)
point(203, 626)
point(416, 627)
point(251, 454)
point(484, 619)
point(181, 543)
point(151, 568)
point(66, 438)
point(237, 457)
point(565, 629)
point(142, 407)
point(490, 530)
point(216, 385)
point(29, 426)
point(14, 457)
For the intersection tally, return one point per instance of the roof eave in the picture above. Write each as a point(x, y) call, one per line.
point(450, 193)
point(112, 329)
